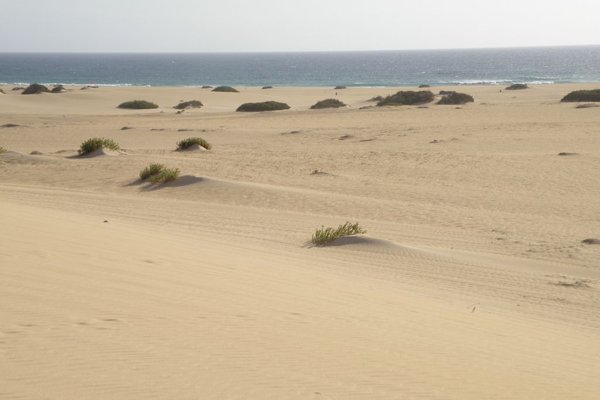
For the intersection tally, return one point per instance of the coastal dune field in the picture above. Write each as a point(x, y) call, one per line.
point(472, 281)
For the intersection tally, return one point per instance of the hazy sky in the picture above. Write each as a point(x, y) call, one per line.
point(292, 25)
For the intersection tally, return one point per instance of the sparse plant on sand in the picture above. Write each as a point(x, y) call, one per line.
point(582, 95)
point(323, 236)
point(151, 170)
point(94, 144)
point(327, 103)
point(165, 175)
point(189, 142)
point(264, 106)
point(456, 98)
point(2, 150)
point(137, 105)
point(226, 89)
point(406, 98)
point(188, 104)
point(517, 86)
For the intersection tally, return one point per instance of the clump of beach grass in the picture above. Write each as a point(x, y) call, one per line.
point(517, 86)
point(94, 144)
point(327, 103)
point(323, 236)
point(2, 150)
point(456, 98)
point(151, 170)
point(35, 88)
point(138, 105)
point(189, 142)
point(407, 98)
point(226, 89)
point(263, 106)
point(582, 95)
point(165, 175)
point(188, 104)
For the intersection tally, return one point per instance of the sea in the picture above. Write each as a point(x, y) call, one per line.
point(360, 68)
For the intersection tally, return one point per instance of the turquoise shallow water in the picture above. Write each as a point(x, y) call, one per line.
point(389, 68)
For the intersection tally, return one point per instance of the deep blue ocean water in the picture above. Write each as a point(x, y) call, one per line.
point(382, 68)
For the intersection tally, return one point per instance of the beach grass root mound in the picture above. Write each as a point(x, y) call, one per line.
point(264, 106)
point(137, 105)
point(327, 103)
point(582, 95)
point(323, 236)
point(94, 144)
point(189, 142)
point(35, 88)
point(226, 89)
point(456, 98)
point(188, 104)
point(407, 98)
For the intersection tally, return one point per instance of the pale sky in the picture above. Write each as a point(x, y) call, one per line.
point(292, 25)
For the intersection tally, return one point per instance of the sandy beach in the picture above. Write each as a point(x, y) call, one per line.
point(472, 281)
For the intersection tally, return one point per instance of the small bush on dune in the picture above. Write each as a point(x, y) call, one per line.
point(264, 106)
point(327, 103)
point(188, 104)
point(206, 87)
point(456, 98)
point(405, 98)
point(137, 105)
point(151, 170)
point(582, 95)
point(339, 87)
point(165, 175)
point(226, 89)
point(2, 150)
point(35, 88)
point(376, 98)
point(424, 86)
point(267, 87)
point(324, 235)
point(2, 91)
point(58, 89)
point(94, 144)
point(189, 142)
point(517, 86)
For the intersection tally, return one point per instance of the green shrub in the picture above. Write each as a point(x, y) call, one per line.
point(94, 144)
point(339, 87)
point(424, 86)
point(405, 98)
point(226, 89)
point(188, 104)
point(189, 142)
point(2, 150)
point(456, 98)
point(207, 87)
point(165, 175)
point(517, 86)
point(151, 170)
point(137, 105)
point(264, 106)
point(35, 88)
point(327, 103)
point(582, 95)
point(58, 89)
point(267, 87)
point(323, 235)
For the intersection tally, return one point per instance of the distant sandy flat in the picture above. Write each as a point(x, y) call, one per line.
point(472, 281)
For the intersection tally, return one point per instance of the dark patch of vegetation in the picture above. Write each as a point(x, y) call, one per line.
point(2, 91)
point(36, 153)
point(189, 142)
point(424, 86)
point(16, 88)
point(188, 104)
point(138, 105)
point(590, 241)
point(35, 88)
point(94, 144)
point(58, 89)
point(323, 236)
point(126, 128)
point(345, 137)
point(376, 98)
point(267, 87)
point(406, 98)
point(225, 89)
point(587, 105)
point(150, 171)
point(339, 87)
point(2, 150)
point(9, 126)
point(264, 106)
point(563, 153)
point(207, 87)
point(165, 175)
point(456, 98)
point(327, 103)
point(517, 86)
point(582, 95)
point(446, 92)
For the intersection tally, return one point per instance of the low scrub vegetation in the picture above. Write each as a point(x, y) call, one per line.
point(264, 106)
point(339, 87)
point(267, 87)
point(424, 86)
point(35, 88)
point(226, 89)
point(138, 105)
point(151, 170)
point(407, 98)
point(582, 95)
point(94, 144)
point(456, 98)
point(165, 175)
point(185, 144)
point(2, 150)
point(517, 86)
point(328, 103)
point(58, 89)
point(323, 236)
point(188, 104)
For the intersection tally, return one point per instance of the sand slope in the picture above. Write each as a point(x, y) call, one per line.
point(471, 283)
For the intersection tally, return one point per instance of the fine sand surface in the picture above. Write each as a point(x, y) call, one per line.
point(472, 282)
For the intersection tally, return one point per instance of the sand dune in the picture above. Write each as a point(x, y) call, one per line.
point(471, 283)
